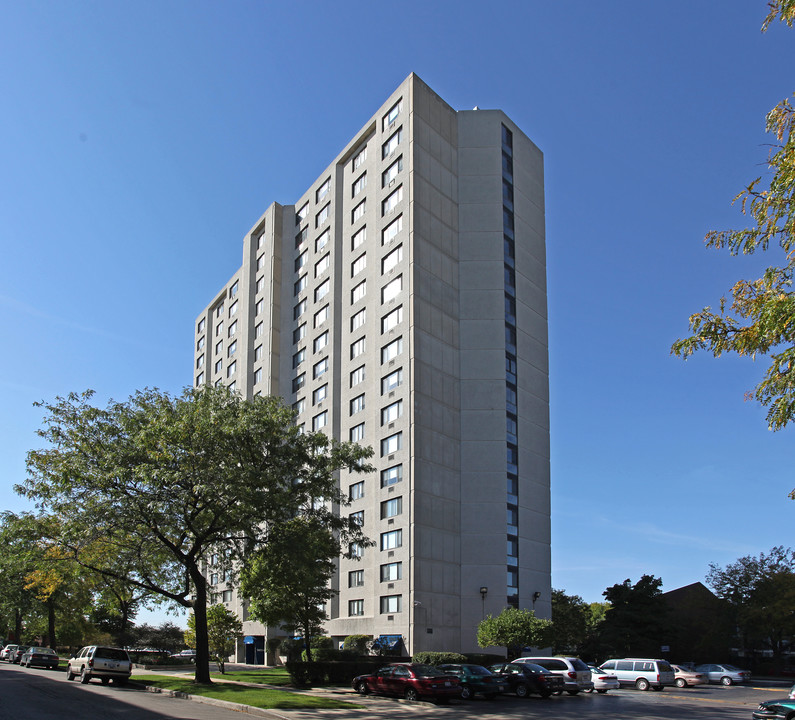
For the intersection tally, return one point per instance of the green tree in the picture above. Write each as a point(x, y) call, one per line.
point(287, 580)
point(760, 318)
point(167, 636)
point(224, 629)
point(165, 481)
point(570, 617)
point(514, 629)
point(636, 623)
point(761, 591)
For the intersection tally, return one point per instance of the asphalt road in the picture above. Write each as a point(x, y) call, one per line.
point(37, 694)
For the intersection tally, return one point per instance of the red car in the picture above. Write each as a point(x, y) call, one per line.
point(409, 680)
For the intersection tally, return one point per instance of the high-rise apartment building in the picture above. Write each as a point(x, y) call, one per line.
point(401, 303)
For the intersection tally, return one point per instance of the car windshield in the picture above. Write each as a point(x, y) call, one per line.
point(111, 654)
point(476, 670)
point(42, 651)
point(664, 666)
point(578, 664)
point(426, 671)
point(731, 668)
point(533, 668)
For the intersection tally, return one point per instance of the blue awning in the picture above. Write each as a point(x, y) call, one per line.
point(248, 640)
point(390, 642)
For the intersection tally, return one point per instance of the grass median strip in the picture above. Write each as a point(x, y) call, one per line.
point(266, 676)
point(266, 698)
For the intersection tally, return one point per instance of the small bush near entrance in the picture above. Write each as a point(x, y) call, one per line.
point(356, 644)
point(439, 658)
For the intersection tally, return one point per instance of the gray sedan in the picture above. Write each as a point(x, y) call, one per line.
point(724, 674)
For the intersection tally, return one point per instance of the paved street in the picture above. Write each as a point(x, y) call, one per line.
point(44, 695)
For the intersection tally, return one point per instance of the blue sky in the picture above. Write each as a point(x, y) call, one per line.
point(140, 141)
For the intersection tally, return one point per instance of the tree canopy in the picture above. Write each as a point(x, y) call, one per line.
point(635, 625)
point(145, 490)
point(514, 629)
point(224, 628)
point(759, 320)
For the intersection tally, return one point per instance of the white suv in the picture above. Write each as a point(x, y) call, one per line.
point(105, 663)
point(575, 673)
point(643, 673)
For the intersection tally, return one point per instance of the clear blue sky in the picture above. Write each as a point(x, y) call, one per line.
point(140, 141)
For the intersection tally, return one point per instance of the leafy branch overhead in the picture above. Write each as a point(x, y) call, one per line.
point(759, 319)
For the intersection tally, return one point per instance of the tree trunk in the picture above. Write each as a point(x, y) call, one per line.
point(308, 644)
point(202, 675)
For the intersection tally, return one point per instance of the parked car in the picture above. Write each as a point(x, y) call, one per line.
point(16, 655)
point(5, 653)
point(602, 680)
point(687, 678)
point(187, 655)
point(409, 680)
point(475, 679)
point(526, 678)
point(575, 673)
point(105, 663)
point(40, 656)
point(780, 709)
point(724, 674)
point(643, 673)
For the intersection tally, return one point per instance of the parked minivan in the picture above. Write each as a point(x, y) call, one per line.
point(643, 673)
point(575, 673)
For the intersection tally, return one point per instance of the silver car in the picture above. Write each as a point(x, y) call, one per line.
point(98, 661)
point(724, 674)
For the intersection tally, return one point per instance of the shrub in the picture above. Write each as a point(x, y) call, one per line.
point(356, 643)
point(439, 658)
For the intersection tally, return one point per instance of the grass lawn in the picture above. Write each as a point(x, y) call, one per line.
point(266, 676)
point(256, 697)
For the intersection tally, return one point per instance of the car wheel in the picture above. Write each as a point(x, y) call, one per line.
point(84, 676)
point(572, 692)
point(601, 692)
point(361, 687)
point(681, 682)
point(27, 664)
point(411, 694)
point(522, 690)
point(642, 684)
point(104, 681)
point(588, 690)
point(466, 692)
point(726, 681)
point(69, 674)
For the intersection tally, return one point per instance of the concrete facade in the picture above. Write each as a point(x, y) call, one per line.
point(401, 302)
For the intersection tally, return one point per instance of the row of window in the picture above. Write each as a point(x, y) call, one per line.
point(389, 476)
point(389, 572)
point(388, 604)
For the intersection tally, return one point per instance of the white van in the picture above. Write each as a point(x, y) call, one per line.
point(643, 673)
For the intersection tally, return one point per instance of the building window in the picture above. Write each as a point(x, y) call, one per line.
point(219, 365)
point(299, 382)
point(320, 394)
point(200, 362)
point(202, 324)
point(391, 290)
point(302, 214)
point(199, 379)
point(391, 508)
point(227, 596)
point(391, 381)
point(358, 237)
point(391, 231)
point(258, 352)
point(391, 412)
point(355, 578)
point(322, 290)
point(356, 490)
point(230, 369)
point(232, 328)
point(320, 342)
point(323, 264)
point(219, 328)
point(322, 216)
point(320, 368)
point(357, 404)
point(258, 330)
point(391, 475)
point(358, 320)
point(299, 406)
point(357, 433)
point(261, 262)
point(321, 316)
point(392, 350)
point(219, 347)
point(320, 420)
point(219, 310)
point(392, 320)
point(513, 581)
point(392, 144)
point(299, 333)
point(512, 516)
point(299, 285)
point(359, 264)
point(359, 185)
point(510, 338)
point(358, 212)
point(391, 116)
point(513, 547)
point(233, 307)
point(391, 444)
point(391, 202)
point(260, 284)
point(322, 240)
point(355, 608)
point(391, 572)
point(389, 175)
point(359, 291)
point(323, 190)
point(258, 376)
point(355, 550)
point(392, 539)
point(390, 604)
point(259, 307)
point(357, 348)
point(359, 158)
point(357, 376)
point(299, 309)
point(300, 239)
point(391, 260)
point(232, 349)
point(299, 357)
point(300, 261)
